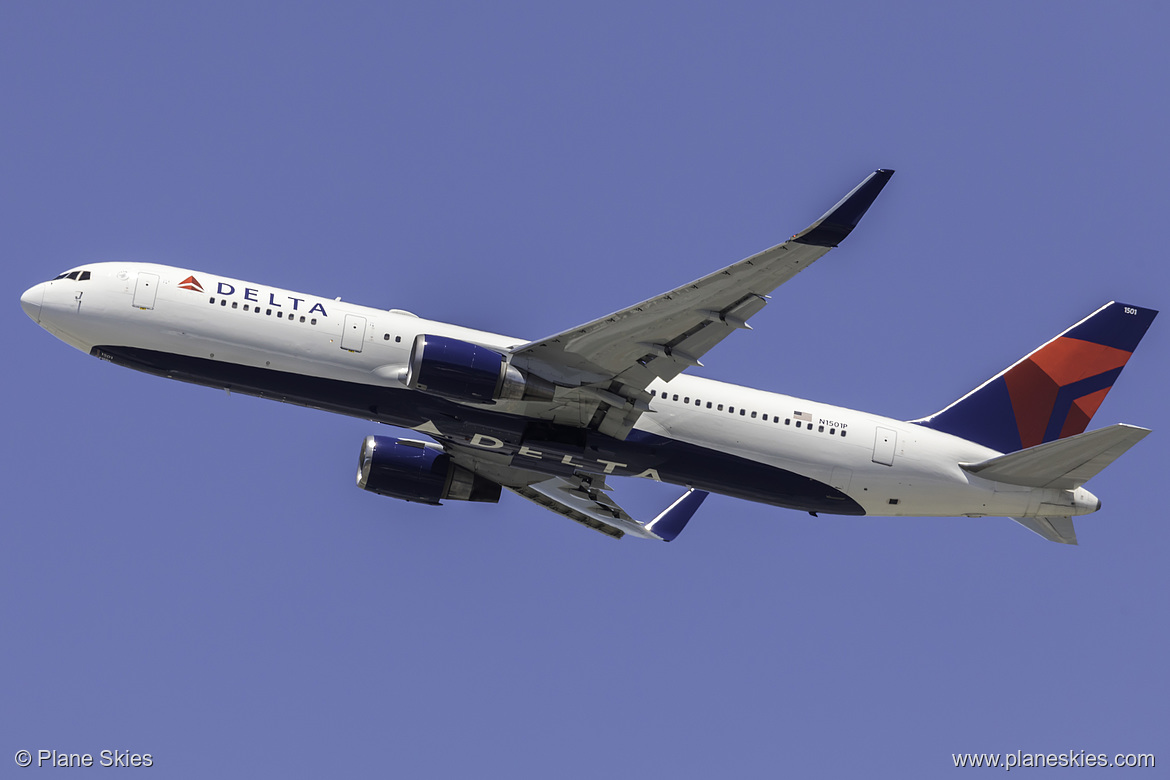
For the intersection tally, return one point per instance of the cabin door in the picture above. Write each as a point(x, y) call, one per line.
point(883, 446)
point(144, 291)
point(354, 333)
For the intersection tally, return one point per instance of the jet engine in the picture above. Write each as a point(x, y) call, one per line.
point(467, 372)
point(418, 471)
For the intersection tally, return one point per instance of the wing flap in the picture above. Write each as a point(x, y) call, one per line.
point(551, 502)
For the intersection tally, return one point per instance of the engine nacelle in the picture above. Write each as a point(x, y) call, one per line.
point(467, 372)
point(418, 471)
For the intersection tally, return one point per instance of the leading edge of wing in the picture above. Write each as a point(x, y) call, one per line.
point(678, 326)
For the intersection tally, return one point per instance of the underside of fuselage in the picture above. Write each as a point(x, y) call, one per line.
point(562, 449)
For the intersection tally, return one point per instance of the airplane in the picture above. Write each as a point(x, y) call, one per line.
point(553, 420)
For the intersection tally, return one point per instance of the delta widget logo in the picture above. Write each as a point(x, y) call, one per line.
point(191, 283)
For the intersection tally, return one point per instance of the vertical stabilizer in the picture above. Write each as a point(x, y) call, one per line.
point(1053, 392)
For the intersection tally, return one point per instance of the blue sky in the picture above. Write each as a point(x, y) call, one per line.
point(195, 576)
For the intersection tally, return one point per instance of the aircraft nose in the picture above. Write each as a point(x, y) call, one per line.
point(31, 301)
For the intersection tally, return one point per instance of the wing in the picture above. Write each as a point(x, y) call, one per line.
point(578, 496)
point(611, 361)
point(584, 500)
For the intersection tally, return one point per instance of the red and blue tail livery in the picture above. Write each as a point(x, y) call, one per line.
point(1053, 392)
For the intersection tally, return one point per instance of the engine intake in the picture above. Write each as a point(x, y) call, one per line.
point(418, 471)
point(470, 373)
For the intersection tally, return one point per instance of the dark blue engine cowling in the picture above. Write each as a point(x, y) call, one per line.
point(418, 471)
point(456, 369)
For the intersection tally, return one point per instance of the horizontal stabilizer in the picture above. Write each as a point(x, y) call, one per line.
point(1064, 464)
point(1054, 529)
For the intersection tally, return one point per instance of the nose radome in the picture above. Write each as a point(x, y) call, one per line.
point(31, 301)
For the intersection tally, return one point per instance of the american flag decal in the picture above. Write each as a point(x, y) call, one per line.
point(802, 416)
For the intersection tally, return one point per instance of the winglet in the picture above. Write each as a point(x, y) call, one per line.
point(839, 221)
point(668, 525)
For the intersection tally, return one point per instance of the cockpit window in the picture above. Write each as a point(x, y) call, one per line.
point(80, 276)
point(84, 276)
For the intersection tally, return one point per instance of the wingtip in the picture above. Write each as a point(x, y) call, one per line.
point(668, 525)
point(839, 221)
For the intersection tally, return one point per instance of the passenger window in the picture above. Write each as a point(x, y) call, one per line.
point(246, 307)
point(211, 301)
point(676, 396)
point(832, 431)
point(235, 305)
point(687, 399)
point(765, 418)
point(753, 415)
point(731, 410)
point(268, 312)
point(742, 412)
point(302, 318)
point(708, 404)
point(313, 321)
point(719, 408)
point(788, 421)
point(798, 423)
point(843, 434)
point(223, 301)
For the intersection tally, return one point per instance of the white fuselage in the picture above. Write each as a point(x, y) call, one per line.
point(888, 467)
